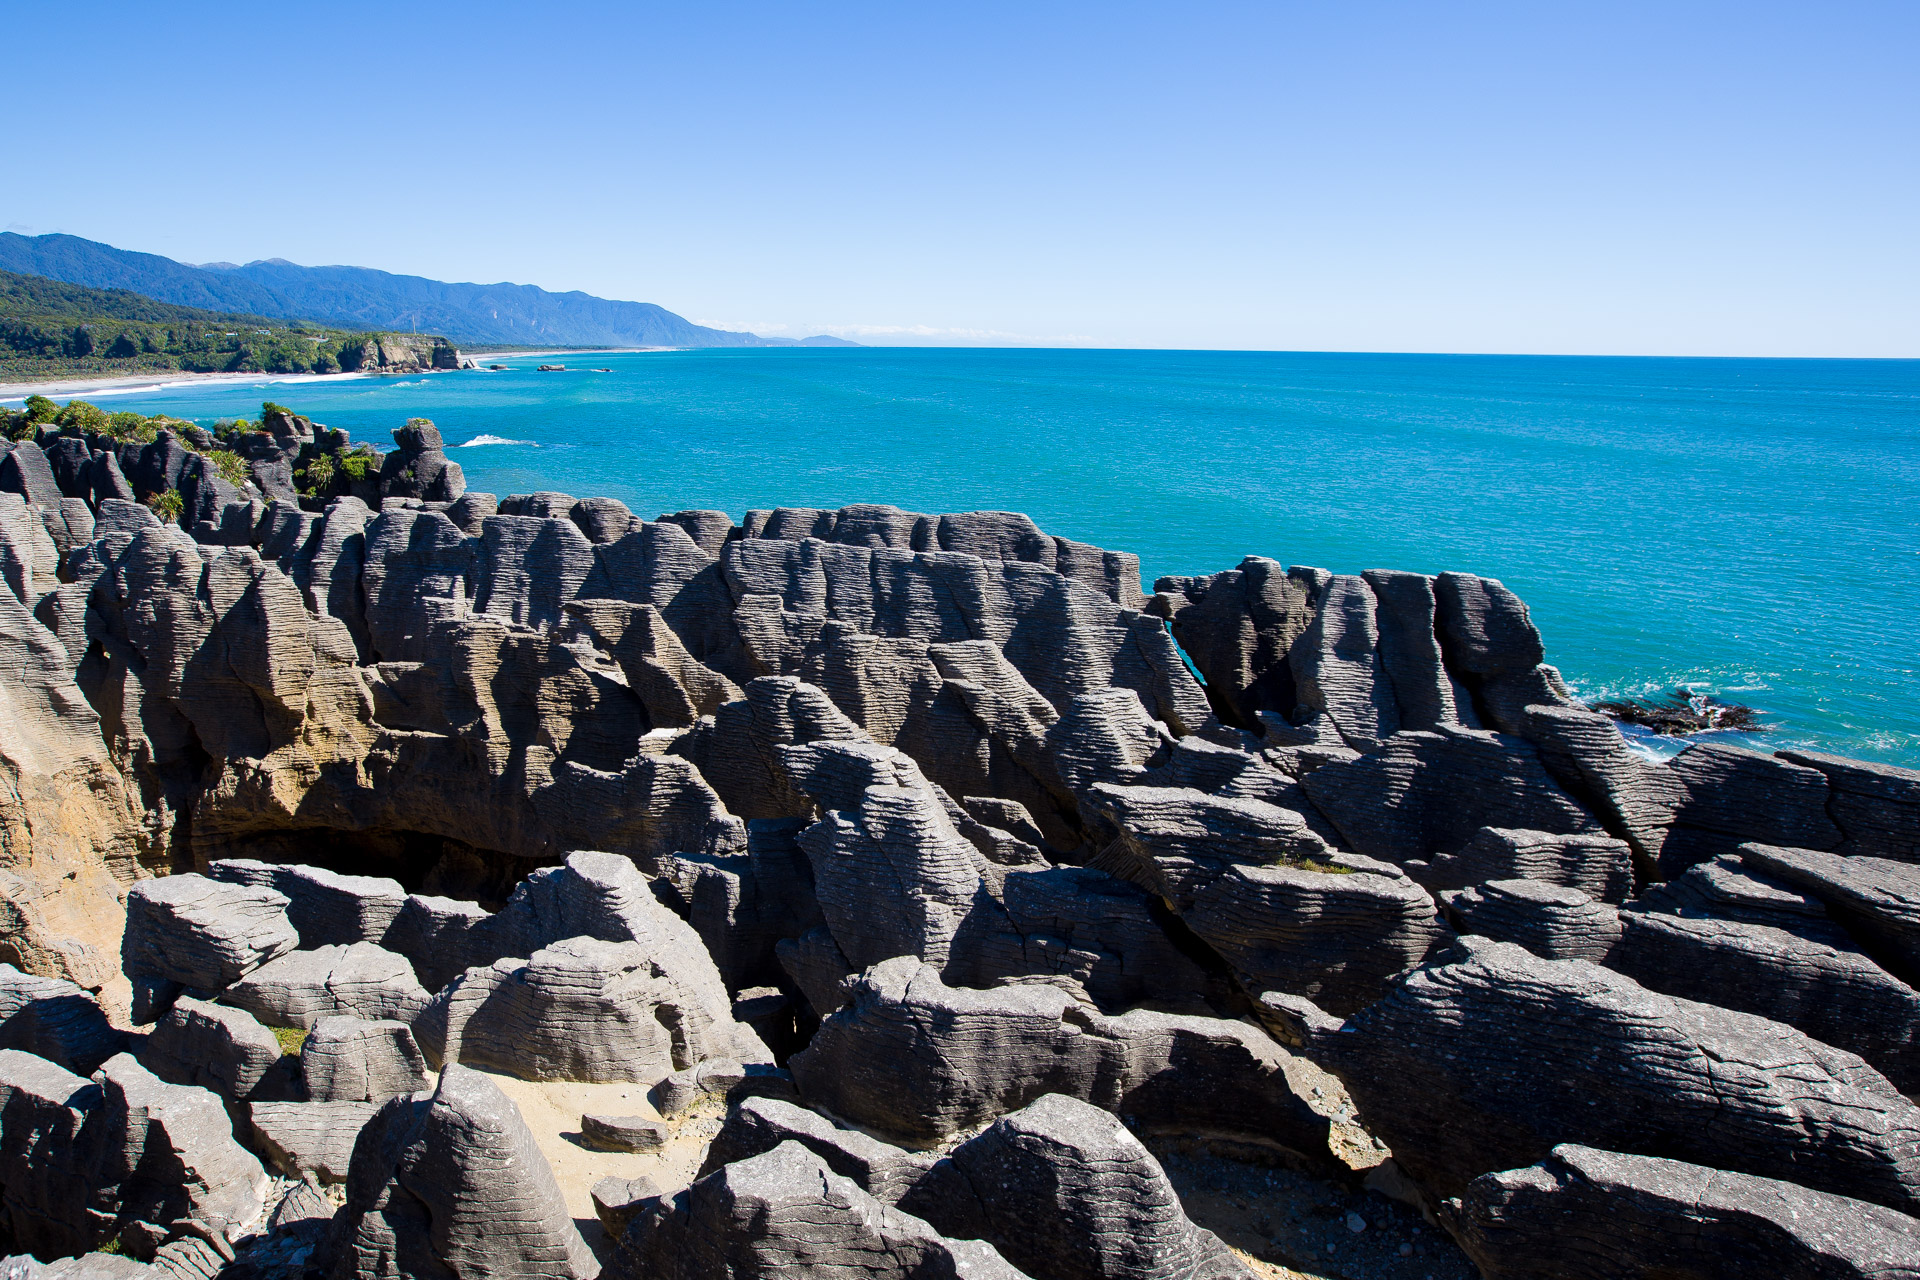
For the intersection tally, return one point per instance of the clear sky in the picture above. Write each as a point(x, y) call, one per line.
point(1734, 179)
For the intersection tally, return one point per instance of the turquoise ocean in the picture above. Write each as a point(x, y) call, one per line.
point(1749, 528)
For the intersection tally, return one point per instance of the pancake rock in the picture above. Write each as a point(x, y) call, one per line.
point(786, 1214)
point(1061, 1189)
point(1489, 1057)
point(758, 1125)
point(210, 1046)
point(192, 932)
point(309, 1138)
point(56, 1020)
point(451, 1183)
point(581, 1009)
point(915, 1059)
point(301, 987)
point(356, 1060)
point(1585, 1214)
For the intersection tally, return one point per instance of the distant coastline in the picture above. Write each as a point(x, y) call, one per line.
point(135, 383)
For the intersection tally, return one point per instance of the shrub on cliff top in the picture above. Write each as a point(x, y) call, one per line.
point(41, 409)
point(81, 416)
point(231, 466)
point(132, 427)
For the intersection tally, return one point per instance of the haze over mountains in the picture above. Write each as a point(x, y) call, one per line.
point(365, 299)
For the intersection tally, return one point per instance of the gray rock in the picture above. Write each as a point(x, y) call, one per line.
point(325, 908)
point(786, 1214)
point(1339, 668)
point(1731, 888)
point(347, 1059)
point(623, 1133)
point(1493, 648)
point(617, 1201)
point(915, 1059)
point(758, 1125)
point(581, 1009)
point(419, 467)
point(1062, 1189)
point(1828, 989)
point(211, 1047)
point(302, 1139)
point(47, 1179)
point(1239, 628)
point(169, 1151)
point(1488, 1058)
point(201, 933)
point(24, 470)
point(60, 1021)
point(1597, 865)
point(300, 988)
point(1338, 931)
point(1877, 899)
point(434, 934)
point(1429, 793)
point(452, 1184)
point(1550, 920)
point(1876, 806)
point(1585, 1214)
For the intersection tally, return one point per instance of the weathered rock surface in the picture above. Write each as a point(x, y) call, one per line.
point(56, 1020)
point(1550, 920)
point(1584, 1214)
point(300, 988)
point(581, 1009)
point(357, 1060)
point(302, 1138)
point(1877, 899)
point(786, 1214)
point(1597, 865)
point(758, 1125)
point(210, 1046)
point(326, 909)
point(1490, 1057)
point(918, 1060)
point(46, 1174)
point(167, 1152)
point(1876, 806)
point(203, 934)
point(1062, 1189)
point(451, 1183)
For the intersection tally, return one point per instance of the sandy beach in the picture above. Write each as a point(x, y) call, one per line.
point(129, 384)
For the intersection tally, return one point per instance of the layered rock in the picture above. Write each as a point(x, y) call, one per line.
point(784, 1214)
point(918, 1060)
point(1581, 1213)
point(451, 1183)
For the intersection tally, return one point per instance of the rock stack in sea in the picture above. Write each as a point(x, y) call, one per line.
point(913, 847)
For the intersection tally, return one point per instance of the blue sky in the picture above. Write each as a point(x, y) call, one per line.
point(1621, 178)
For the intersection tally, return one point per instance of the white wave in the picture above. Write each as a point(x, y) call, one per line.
point(480, 440)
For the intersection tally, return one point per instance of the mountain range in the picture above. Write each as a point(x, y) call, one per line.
point(365, 299)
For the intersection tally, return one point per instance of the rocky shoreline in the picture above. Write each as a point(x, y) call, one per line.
point(905, 869)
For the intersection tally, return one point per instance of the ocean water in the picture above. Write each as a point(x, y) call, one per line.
point(1750, 528)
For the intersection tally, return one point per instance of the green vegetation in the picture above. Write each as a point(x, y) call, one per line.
point(52, 329)
point(167, 505)
point(291, 1039)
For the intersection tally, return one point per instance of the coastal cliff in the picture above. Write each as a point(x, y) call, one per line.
point(946, 794)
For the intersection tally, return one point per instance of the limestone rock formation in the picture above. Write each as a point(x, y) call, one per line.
point(1584, 1214)
point(918, 1060)
point(210, 1046)
point(1062, 1189)
point(360, 1060)
point(1489, 1057)
point(191, 932)
point(758, 1125)
point(56, 1020)
point(451, 1183)
point(301, 987)
point(309, 1138)
point(786, 1214)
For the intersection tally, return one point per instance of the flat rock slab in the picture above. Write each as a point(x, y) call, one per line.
point(202, 933)
point(623, 1133)
point(362, 981)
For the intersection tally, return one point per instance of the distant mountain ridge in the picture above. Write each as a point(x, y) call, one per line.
point(362, 298)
